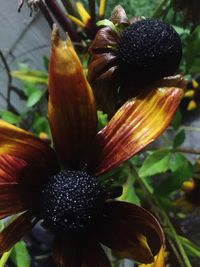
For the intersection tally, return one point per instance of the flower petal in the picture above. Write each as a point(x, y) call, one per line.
point(131, 231)
point(15, 231)
point(71, 110)
point(159, 260)
point(23, 145)
point(137, 123)
point(77, 251)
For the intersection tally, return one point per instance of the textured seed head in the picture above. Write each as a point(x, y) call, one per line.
point(148, 50)
point(70, 201)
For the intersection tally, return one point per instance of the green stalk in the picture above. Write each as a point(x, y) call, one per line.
point(165, 220)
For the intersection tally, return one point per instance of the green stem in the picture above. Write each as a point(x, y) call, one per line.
point(4, 258)
point(160, 10)
point(162, 215)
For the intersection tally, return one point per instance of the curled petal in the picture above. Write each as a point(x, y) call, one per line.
point(28, 149)
point(102, 65)
point(71, 109)
point(77, 251)
point(105, 40)
point(159, 260)
point(131, 231)
point(137, 123)
point(15, 231)
point(119, 16)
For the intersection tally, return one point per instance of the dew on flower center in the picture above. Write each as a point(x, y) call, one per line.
point(70, 201)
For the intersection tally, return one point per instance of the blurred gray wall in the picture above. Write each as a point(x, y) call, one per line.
point(23, 39)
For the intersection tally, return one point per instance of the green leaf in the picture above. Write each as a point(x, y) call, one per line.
point(179, 139)
point(175, 180)
point(10, 117)
point(20, 255)
point(32, 76)
point(40, 124)
point(102, 119)
point(192, 49)
point(129, 193)
point(177, 120)
point(176, 161)
point(34, 98)
point(157, 162)
point(191, 249)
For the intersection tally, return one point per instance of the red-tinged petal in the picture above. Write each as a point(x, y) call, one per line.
point(71, 110)
point(15, 231)
point(76, 251)
point(131, 231)
point(137, 123)
point(15, 198)
point(16, 142)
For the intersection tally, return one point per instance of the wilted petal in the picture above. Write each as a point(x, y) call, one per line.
point(119, 16)
point(15, 231)
point(137, 123)
point(131, 231)
point(16, 142)
point(71, 110)
point(79, 251)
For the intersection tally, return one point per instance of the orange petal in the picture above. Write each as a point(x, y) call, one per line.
point(23, 145)
point(131, 231)
point(137, 123)
point(71, 110)
point(77, 251)
point(15, 231)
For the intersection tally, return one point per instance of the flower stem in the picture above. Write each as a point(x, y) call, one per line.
point(165, 220)
point(62, 20)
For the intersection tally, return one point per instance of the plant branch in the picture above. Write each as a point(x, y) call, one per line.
point(62, 19)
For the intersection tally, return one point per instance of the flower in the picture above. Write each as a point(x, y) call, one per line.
point(129, 55)
point(62, 186)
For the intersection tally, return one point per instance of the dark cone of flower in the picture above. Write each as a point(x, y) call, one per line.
point(148, 50)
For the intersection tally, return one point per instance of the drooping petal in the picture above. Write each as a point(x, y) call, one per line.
point(77, 251)
point(159, 260)
point(71, 110)
point(137, 123)
point(131, 231)
point(15, 231)
point(23, 145)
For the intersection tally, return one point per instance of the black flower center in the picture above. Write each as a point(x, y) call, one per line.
point(70, 201)
point(149, 50)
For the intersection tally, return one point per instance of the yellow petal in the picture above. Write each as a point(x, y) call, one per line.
point(76, 21)
point(159, 260)
point(85, 16)
point(192, 105)
point(102, 8)
point(189, 93)
point(195, 83)
point(71, 107)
